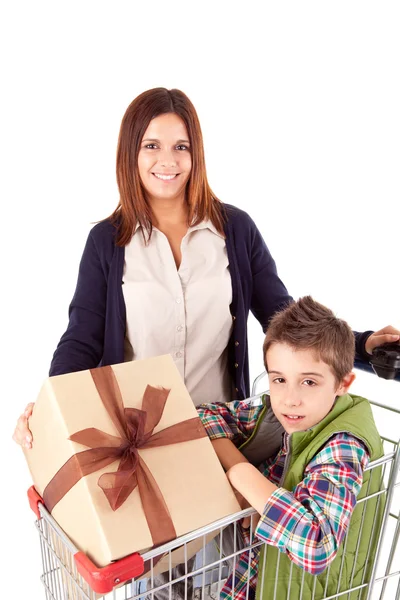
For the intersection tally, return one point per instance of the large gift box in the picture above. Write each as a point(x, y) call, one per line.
point(122, 460)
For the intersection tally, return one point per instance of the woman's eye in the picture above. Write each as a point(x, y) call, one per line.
point(182, 147)
point(278, 380)
point(309, 382)
point(150, 146)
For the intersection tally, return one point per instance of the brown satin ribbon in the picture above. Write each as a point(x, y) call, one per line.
point(135, 428)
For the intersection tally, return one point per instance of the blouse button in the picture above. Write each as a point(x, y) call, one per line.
point(236, 389)
point(236, 343)
point(236, 365)
point(233, 318)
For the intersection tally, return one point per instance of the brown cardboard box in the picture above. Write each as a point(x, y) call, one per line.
point(188, 474)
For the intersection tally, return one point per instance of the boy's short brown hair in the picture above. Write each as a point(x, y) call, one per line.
point(308, 325)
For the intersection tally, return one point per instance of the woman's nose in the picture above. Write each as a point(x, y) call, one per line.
point(168, 159)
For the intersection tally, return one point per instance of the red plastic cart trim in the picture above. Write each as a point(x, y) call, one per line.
point(103, 580)
point(34, 501)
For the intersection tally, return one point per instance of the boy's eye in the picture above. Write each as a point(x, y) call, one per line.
point(309, 382)
point(278, 380)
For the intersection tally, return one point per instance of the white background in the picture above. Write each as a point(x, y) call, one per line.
point(299, 105)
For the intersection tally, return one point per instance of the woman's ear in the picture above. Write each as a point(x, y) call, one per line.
point(345, 383)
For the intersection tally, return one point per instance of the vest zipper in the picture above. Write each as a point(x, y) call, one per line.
point(286, 464)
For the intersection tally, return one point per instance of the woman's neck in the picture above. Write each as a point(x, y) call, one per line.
point(169, 213)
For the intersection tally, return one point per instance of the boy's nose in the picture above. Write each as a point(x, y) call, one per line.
point(292, 400)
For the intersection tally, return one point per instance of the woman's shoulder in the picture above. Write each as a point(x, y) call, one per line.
point(237, 218)
point(104, 232)
point(102, 239)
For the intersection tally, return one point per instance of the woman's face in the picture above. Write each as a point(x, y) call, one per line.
point(164, 159)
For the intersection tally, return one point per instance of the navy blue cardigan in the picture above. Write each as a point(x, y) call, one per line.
point(97, 317)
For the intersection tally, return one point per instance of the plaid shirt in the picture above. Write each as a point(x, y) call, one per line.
point(307, 523)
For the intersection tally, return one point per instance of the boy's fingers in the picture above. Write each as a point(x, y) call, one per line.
point(246, 522)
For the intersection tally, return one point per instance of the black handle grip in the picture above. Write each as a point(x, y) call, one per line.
point(385, 360)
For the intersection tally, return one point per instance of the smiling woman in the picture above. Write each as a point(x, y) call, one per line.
point(160, 159)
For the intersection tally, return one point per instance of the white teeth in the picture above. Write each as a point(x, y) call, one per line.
point(293, 417)
point(164, 177)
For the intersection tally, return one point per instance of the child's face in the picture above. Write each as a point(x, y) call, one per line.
point(302, 387)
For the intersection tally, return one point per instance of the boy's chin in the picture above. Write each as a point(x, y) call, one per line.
point(303, 424)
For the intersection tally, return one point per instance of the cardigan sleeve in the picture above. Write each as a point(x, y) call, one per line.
point(269, 293)
point(81, 346)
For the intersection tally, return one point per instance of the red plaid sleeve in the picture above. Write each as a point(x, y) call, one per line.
point(233, 420)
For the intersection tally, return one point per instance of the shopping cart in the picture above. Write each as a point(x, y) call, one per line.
point(70, 575)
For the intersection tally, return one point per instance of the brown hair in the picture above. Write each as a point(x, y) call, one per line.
point(308, 325)
point(133, 207)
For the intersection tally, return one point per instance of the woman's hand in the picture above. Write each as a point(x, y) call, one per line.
point(22, 434)
point(386, 335)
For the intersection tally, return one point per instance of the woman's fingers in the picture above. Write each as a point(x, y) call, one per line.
point(383, 336)
point(29, 409)
point(22, 434)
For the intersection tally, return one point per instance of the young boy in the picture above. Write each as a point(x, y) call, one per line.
point(306, 495)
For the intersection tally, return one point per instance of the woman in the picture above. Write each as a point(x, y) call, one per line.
point(173, 270)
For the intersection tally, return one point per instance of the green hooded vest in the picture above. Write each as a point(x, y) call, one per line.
point(276, 573)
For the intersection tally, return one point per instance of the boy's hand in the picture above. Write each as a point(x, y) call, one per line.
point(245, 523)
point(22, 434)
point(386, 335)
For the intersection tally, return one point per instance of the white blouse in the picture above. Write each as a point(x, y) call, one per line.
point(183, 312)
